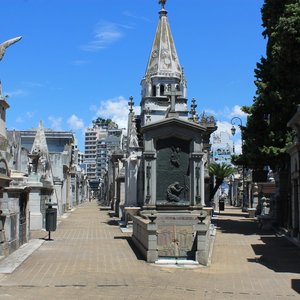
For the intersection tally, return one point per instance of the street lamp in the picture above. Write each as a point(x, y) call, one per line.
point(233, 130)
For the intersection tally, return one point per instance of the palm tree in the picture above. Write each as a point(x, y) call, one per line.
point(220, 172)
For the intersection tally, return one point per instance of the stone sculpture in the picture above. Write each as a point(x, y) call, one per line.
point(173, 192)
point(6, 44)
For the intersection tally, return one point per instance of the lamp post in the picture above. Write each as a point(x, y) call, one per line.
point(233, 130)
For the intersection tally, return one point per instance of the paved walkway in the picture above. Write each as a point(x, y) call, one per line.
point(90, 258)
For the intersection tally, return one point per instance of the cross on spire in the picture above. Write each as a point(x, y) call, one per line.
point(173, 93)
point(162, 3)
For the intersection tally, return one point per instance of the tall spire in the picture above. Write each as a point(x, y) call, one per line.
point(40, 143)
point(163, 60)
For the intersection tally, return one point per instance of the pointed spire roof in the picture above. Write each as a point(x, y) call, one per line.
point(163, 60)
point(40, 143)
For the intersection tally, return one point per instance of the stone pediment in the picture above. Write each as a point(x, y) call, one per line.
point(173, 127)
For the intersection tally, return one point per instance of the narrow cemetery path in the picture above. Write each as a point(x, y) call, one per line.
point(90, 258)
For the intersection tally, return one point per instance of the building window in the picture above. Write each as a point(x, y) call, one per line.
point(162, 90)
point(154, 90)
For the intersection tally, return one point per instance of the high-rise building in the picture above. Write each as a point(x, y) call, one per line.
point(100, 140)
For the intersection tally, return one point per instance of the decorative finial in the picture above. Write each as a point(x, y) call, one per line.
point(162, 3)
point(131, 104)
point(193, 111)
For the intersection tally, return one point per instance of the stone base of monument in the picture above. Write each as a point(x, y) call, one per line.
point(169, 235)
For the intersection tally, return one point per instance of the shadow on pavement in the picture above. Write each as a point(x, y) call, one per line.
point(296, 285)
point(132, 246)
point(277, 254)
point(112, 222)
point(243, 226)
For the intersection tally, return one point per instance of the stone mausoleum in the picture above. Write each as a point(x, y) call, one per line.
point(166, 168)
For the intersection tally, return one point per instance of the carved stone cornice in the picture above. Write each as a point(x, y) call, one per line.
point(149, 155)
point(196, 155)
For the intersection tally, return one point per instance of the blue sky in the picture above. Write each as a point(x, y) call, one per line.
point(81, 59)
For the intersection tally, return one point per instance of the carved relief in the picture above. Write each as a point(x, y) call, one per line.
point(173, 172)
point(154, 53)
point(175, 157)
point(173, 192)
point(164, 53)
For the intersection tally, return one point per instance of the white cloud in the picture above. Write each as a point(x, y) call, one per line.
point(75, 123)
point(16, 93)
point(237, 112)
point(55, 123)
point(227, 112)
point(224, 126)
point(104, 35)
point(115, 109)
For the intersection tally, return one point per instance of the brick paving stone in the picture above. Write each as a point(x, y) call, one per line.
point(90, 258)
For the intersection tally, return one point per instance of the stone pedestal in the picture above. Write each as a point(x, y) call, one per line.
point(172, 235)
point(145, 237)
point(251, 212)
point(36, 217)
point(203, 243)
point(40, 193)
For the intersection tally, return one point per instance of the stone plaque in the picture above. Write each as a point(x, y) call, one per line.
point(175, 241)
point(173, 173)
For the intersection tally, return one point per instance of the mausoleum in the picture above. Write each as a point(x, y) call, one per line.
point(168, 154)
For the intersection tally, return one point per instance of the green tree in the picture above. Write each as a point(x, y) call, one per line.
point(100, 122)
point(266, 136)
point(278, 86)
point(220, 172)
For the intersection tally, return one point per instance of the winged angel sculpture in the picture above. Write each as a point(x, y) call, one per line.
point(6, 44)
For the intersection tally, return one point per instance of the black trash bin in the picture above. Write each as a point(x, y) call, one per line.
point(51, 218)
point(221, 205)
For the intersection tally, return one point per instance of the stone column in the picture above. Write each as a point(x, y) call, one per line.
point(115, 175)
point(197, 176)
point(131, 178)
point(202, 182)
point(36, 216)
point(149, 179)
point(255, 196)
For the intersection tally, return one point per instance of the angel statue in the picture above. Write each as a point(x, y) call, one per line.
point(6, 44)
